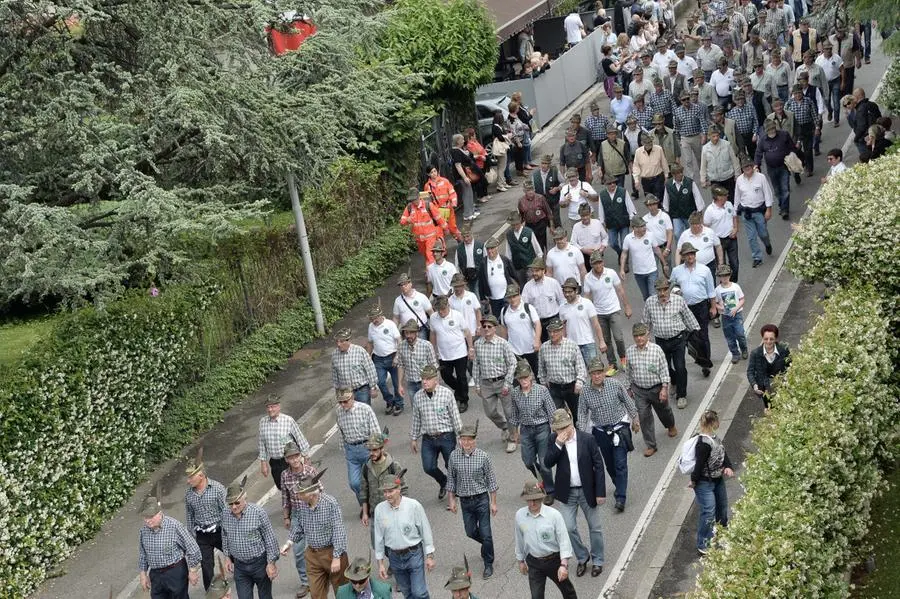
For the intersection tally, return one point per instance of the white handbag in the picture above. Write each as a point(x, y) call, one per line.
point(793, 163)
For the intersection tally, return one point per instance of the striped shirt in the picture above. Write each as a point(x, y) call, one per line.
point(204, 510)
point(273, 434)
point(471, 474)
point(532, 408)
point(667, 320)
point(166, 545)
point(322, 525)
point(250, 536)
point(413, 358)
point(434, 413)
point(562, 363)
point(493, 359)
point(604, 406)
point(352, 368)
point(690, 120)
point(646, 368)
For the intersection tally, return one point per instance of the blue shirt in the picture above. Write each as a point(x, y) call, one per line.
point(621, 108)
point(696, 283)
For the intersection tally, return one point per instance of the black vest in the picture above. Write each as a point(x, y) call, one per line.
point(614, 210)
point(681, 203)
point(520, 247)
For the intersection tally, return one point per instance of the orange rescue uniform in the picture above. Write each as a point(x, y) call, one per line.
point(427, 225)
point(444, 195)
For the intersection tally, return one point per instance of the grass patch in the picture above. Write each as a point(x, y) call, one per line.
point(17, 338)
point(884, 581)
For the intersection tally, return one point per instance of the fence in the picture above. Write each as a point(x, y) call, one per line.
point(435, 141)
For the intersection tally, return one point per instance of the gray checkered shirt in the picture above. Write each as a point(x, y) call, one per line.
point(273, 434)
point(689, 121)
point(250, 536)
point(435, 413)
point(166, 545)
point(561, 364)
point(662, 102)
point(532, 408)
point(604, 406)
point(744, 118)
point(471, 474)
point(646, 367)
point(322, 525)
point(203, 510)
point(352, 368)
point(670, 319)
point(493, 359)
point(357, 424)
point(415, 357)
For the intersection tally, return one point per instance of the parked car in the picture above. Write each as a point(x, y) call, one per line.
point(485, 109)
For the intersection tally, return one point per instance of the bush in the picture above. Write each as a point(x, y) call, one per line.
point(810, 486)
point(87, 409)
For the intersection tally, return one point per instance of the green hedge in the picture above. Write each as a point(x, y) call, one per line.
point(85, 411)
point(810, 485)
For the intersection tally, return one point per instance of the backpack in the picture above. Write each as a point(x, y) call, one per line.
point(527, 311)
point(687, 461)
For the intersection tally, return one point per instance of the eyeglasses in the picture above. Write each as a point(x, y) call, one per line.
point(487, 326)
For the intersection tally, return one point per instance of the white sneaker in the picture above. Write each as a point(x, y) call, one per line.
point(510, 447)
point(471, 382)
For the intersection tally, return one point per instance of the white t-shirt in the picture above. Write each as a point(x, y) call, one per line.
point(466, 305)
point(729, 297)
point(418, 305)
point(439, 276)
point(573, 26)
point(578, 199)
point(450, 334)
point(657, 226)
point(720, 220)
point(722, 82)
point(705, 243)
point(591, 235)
point(546, 296)
point(384, 338)
point(640, 251)
point(602, 288)
point(565, 262)
point(496, 278)
point(831, 66)
point(837, 169)
point(520, 325)
point(577, 317)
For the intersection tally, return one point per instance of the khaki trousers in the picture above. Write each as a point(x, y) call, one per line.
point(497, 407)
point(318, 569)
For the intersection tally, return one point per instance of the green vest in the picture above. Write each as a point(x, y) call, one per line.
point(520, 247)
point(380, 590)
point(613, 161)
point(614, 210)
point(681, 204)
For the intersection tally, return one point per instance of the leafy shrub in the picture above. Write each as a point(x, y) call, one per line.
point(810, 485)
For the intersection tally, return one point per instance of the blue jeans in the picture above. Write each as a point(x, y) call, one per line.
point(569, 511)
point(299, 550)
point(384, 366)
point(866, 27)
point(755, 226)
point(615, 457)
point(356, 457)
point(712, 501)
point(588, 352)
point(616, 237)
point(250, 574)
point(733, 328)
point(646, 283)
point(533, 441)
point(679, 226)
point(363, 394)
point(476, 513)
point(781, 182)
point(409, 572)
point(412, 387)
point(441, 445)
point(834, 102)
point(783, 92)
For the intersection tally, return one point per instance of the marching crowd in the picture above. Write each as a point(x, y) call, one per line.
point(734, 102)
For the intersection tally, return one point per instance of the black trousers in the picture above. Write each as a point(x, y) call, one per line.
point(727, 184)
point(540, 232)
point(277, 466)
point(700, 310)
point(542, 568)
point(563, 394)
point(171, 583)
point(804, 139)
point(674, 350)
point(209, 542)
point(655, 185)
point(453, 372)
point(545, 334)
point(532, 359)
point(730, 253)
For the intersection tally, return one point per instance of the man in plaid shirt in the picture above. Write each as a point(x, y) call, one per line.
point(204, 502)
point(745, 122)
point(299, 467)
point(532, 409)
point(436, 419)
point(351, 366)
point(690, 124)
point(662, 102)
point(561, 367)
point(168, 556)
point(249, 544)
point(493, 369)
point(276, 429)
point(415, 354)
point(648, 379)
point(321, 523)
point(357, 422)
point(807, 123)
point(471, 478)
point(642, 112)
point(596, 124)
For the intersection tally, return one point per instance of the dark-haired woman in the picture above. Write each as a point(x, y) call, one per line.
point(766, 362)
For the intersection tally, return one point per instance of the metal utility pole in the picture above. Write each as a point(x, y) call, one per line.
point(307, 255)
